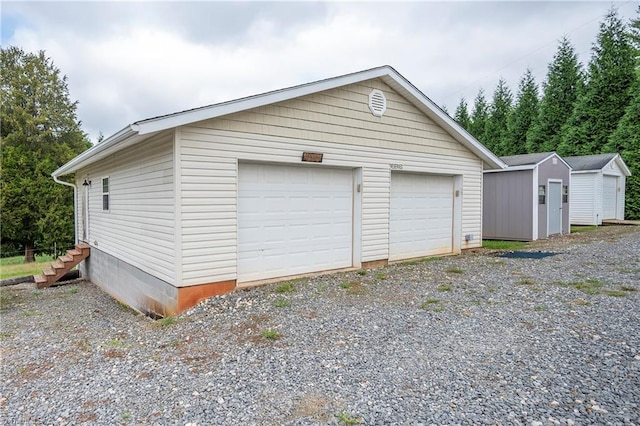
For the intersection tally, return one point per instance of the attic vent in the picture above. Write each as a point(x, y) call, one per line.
point(377, 103)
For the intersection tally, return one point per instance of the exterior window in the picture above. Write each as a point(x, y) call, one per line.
point(542, 194)
point(105, 194)
point(565, 194)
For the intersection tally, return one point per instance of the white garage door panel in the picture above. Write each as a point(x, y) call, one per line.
point(609, 197)
point(293, 220)
point(421, 216)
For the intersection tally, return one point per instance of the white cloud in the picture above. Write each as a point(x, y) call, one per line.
point(156, 58)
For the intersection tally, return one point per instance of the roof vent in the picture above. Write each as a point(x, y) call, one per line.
point(377, 102)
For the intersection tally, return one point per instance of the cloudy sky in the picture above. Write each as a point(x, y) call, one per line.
point(128, 61)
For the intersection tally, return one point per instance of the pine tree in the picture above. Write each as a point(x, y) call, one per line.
point(40, 132)
point(462, 115)
point(479, 117)
point(564, 83)
point(497, 123)
point(523, 115)
point(607, 93)
point(626, 141)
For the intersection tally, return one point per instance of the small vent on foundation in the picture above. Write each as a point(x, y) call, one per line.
point(377, 103)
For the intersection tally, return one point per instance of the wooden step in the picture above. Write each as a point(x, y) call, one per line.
point(58, 265)
point(62, 265)
point(74, 252)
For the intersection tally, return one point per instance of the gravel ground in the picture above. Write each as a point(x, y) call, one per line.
point(471, 339)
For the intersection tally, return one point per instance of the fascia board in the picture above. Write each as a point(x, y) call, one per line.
point(513, 168)
point(90, 155)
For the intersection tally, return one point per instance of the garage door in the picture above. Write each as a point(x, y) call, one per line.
point(609, 197)
point(293, 220)
point(421, 215)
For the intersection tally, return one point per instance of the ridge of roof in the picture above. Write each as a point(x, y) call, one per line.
point(136, 131)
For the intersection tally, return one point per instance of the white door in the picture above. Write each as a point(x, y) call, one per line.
point(421, 215)
point(609, 197)
point(554, 208)
point(293, 220)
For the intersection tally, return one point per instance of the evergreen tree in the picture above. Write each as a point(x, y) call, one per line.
point(560, 93)
point(479, 117)
point(523, 115)
point(40, 132)
point(607, 93)
point(634, 36)
point(462, 114)
point(626, 141)
point(497, 123)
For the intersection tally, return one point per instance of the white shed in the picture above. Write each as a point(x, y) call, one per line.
point(597, 188)
point(347, 172)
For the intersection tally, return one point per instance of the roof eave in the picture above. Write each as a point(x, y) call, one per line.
point(90, 155)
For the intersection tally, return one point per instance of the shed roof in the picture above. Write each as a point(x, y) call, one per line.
point(590, 162)
point(141, 130)
point(526, 159)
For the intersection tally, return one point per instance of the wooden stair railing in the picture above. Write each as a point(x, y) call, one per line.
point(62, 265)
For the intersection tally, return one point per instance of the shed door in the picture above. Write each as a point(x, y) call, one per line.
point(421, 215)
point(609, 197)
point(293, 220)
point(554, 213)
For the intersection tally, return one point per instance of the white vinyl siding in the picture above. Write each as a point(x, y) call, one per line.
point(139, 226)
point(338, 124)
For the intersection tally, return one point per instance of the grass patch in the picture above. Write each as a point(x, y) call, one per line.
point(12, 267)
point(381, 276)
point(503, 245)
point(526, 281)
point(576, 229)
point(352, 287)
point(286, 287)
point(362, 272)
point(422, 260)
point(581, 302)
point(270, 334)
point(444, 287)
point(628, 288)
point(594, 287)
point(8, 299)
point(541, 308)
point(614, 293)
point(454, 270)
point(282, 303)
point(117, 343)
point(73, 290)
point(349, 420)
point(166, 321)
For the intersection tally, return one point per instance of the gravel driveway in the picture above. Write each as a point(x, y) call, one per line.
point(471, 339)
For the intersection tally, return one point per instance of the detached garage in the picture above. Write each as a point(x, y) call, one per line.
point(597, 188)
point(528, 200)
point(347, 172)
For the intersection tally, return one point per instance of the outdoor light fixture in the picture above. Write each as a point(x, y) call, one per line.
point(86, 183)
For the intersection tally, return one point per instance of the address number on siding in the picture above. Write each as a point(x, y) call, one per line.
point(395, 166)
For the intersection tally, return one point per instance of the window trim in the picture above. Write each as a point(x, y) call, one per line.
point(565, 194)
point(542, 194)
point(106, 193)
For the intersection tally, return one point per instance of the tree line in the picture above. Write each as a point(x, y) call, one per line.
point(577, 111)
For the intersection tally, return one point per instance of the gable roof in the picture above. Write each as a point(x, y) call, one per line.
point(140, 130)
point(526, 159)
point(596, 162)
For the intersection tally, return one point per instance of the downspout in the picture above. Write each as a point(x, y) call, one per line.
point(75, 204)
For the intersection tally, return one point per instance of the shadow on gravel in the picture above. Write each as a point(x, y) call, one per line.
point(527, 254)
